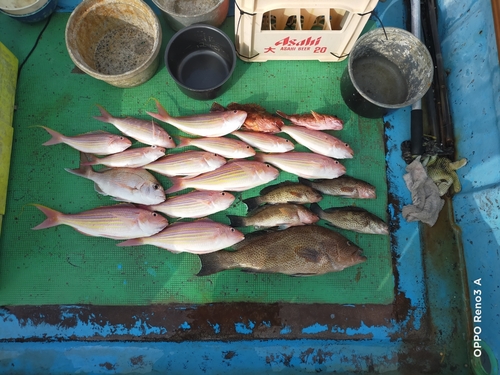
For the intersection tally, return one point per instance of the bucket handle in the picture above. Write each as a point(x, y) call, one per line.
point(372, 12)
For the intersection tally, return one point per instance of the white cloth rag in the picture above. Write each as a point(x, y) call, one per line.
point(427, 202)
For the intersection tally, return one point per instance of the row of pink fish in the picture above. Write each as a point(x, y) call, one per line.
point(206, 171)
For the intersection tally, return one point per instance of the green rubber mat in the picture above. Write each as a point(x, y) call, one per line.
point(61, 266)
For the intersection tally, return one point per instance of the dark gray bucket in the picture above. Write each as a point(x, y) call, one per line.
point(384, 74)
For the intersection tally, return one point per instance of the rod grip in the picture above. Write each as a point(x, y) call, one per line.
point(417, 132)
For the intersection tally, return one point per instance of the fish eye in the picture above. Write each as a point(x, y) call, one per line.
point(169, 137)
point(349, 243)
point(235, 111)
point(336, 162)
point(232, 229)
point(286, 140)
point(223, 193)
point(156, 186)
point(345, 144)
point(153, 147)
point(155, 214)
point(268, 165)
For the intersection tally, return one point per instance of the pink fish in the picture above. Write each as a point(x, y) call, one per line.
point(236, 175)
point(265, 142)
point(120, 222)
point(187, 163)
point(133, 158)
point(226, 147)
point(195, 204)
point(304, 164)
point(319, 142)
point(314, 121)
point(124, 184)
point(144, 131)
point(213, 124)
point(97, 143)
point(198, 237)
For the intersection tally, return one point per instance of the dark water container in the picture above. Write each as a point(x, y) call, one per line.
point(201, 59)
point(386, 73)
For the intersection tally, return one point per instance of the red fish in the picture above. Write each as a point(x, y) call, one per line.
point(258, 119)
point(314, 121)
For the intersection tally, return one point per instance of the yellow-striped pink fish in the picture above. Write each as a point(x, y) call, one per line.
point(195, 204)
point(97, 143)
point(198, 237)
point(236, 175)
point(304, 164)
point(314, 120)
point(187, 163)
point(319, 142)
point(212, 124)
point(227, 147)
point(119, 222)
point(265, 142)
point(133, 158)
point(144, 131)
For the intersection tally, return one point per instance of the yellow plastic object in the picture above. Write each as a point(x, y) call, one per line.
point(8, 80)
point(323, 30)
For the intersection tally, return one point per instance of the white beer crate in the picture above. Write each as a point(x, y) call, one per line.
point(298, 29)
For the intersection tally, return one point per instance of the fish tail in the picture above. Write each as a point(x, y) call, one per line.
point(259, 156)
point(162, 114)
point(281, 114)
point(132, 242)
point(210, 264)
point(315, 209)
point(52, 220)
point(92, 160)
point(252, 203)
point(183, 141)
point(236, 221)
point(83, 170)
point(177, 185)
point(56, 137)
point(105, 115)
point(305, 181)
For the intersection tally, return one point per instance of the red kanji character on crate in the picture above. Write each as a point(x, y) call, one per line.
point(269, 49)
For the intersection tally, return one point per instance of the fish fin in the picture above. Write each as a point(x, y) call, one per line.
point(315, 209)
point(52, 220)
point(210, 264)
point(282, 114)
point(162, 114)
point(302, 274)
point(310, 255)
point(236, 221)
point(183, 141)
point(56, 137)
point(252, 203)
point(216, 107)
point(316, 116)
point(105, 115)
point(177, 185)
point(132, 242)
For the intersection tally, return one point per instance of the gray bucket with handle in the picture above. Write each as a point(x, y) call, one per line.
point(387, 69)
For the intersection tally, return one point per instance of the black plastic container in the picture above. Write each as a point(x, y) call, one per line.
point(387, 69)
point(201, 59)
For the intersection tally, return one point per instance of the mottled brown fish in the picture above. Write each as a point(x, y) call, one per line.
point(356, 219)
point(298, 251)
point(345, 186)
point(282, 215)
point(285, 192)
point(258, 119)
